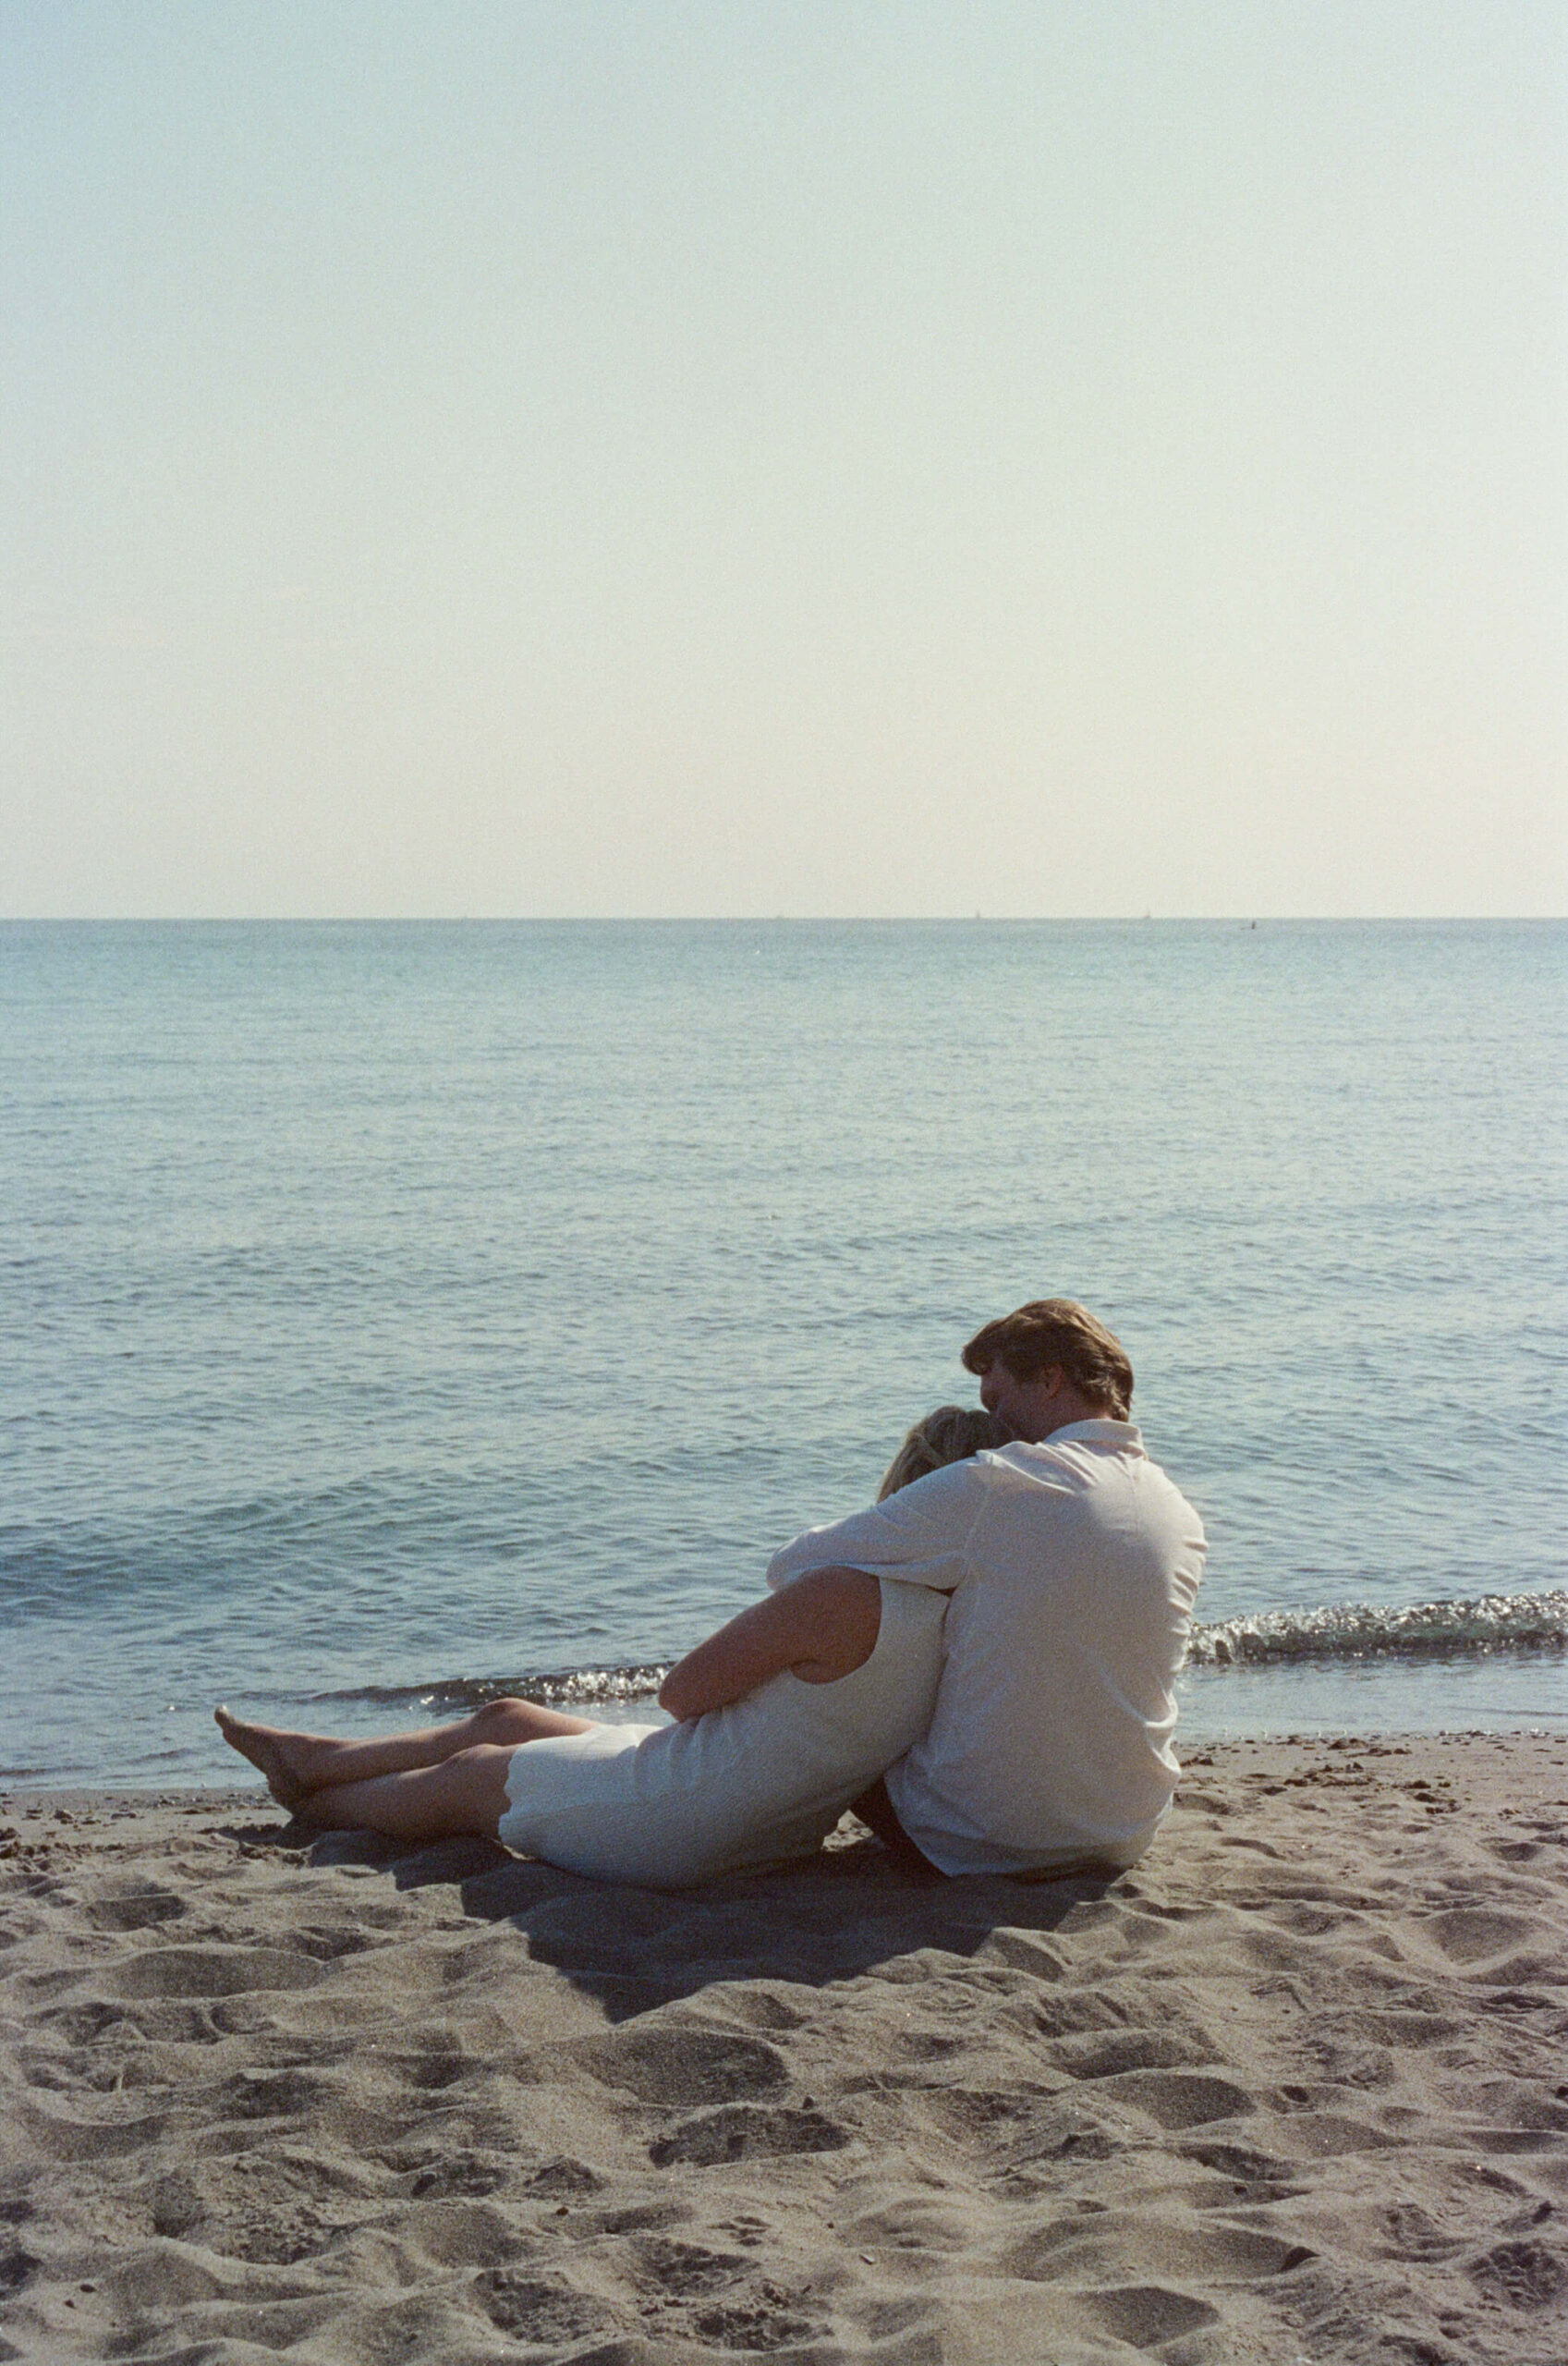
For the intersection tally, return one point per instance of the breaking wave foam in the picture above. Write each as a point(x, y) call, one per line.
point(1339, 1631)
point(578, 1687)
point(1357, 1630)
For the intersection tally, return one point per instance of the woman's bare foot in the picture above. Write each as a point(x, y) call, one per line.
point(285, 1759)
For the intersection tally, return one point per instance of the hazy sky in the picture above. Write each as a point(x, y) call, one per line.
point(784, 456)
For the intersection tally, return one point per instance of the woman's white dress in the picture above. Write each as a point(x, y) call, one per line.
point(765, 1777)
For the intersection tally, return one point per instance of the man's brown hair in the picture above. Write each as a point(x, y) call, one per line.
point(1057, 1330)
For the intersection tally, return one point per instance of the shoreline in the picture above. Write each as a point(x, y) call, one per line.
point(1291, 2087)
point(90, 1804)
point(1510, 1674)
point(1198, 1731)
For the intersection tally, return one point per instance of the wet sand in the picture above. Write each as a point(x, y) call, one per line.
point(1294, 2089)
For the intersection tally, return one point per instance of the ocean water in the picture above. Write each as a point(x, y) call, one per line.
point(400, 1311)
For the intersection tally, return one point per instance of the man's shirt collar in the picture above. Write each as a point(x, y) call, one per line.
point(1101, 1430)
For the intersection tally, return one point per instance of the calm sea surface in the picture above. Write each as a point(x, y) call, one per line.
point(394, 1310)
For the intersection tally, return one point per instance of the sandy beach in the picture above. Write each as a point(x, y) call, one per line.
point(1294, 2089)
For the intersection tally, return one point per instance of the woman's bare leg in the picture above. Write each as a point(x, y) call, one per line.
point(465, 1792)
point(296, 1765)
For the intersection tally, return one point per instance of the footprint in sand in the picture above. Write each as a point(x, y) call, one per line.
point(466, 2176)
point(914, 2224)
point(1179, 2098)
point(1116, 2240)
point(210, 1971)
point(1242, 2162)
point(61, 2136)
point(679, 2269)
point(1474, 1934)
point(533, 2309)
point(17, 2267)
point(746, 2132)
point(1107, 2057)
point(275, 2094)
point(1525, 2274)
point(683, 2064)
point(135, 1909)
point(1143, 2315)
point(766, 2323)
point(564, 2176)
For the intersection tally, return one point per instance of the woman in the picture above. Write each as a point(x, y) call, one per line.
point(783, 1717)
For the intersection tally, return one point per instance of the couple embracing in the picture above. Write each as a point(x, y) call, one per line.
point(980, 1665)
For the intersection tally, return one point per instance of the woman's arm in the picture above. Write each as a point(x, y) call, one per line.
point(823, 1627)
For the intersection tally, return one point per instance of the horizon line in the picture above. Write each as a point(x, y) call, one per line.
point(769, 920)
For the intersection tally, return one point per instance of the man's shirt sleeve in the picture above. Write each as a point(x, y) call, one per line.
point(921, 1535)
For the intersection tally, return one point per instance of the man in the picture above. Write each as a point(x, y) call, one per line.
point(1072, 1562)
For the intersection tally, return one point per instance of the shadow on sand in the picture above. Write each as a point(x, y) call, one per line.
point(847, 1911)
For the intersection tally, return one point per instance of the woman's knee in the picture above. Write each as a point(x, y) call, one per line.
point(481, 1752)
point(498, 1719)
point(475, 1778)
point(512, 1720)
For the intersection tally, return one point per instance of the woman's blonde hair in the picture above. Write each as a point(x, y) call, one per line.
point(950, 1434)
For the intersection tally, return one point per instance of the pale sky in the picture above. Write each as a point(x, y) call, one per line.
point(688, 457)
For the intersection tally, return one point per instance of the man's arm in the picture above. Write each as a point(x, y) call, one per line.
point(821, 1626)
point(921, 1534)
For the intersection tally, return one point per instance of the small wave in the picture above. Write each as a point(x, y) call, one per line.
point(1339, 1631)
point(1360, 1631)
point(579, 1687)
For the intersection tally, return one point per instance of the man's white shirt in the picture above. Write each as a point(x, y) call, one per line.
point(1072, 1567)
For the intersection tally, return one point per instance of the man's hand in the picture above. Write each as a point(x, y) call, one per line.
point(821, 1628)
